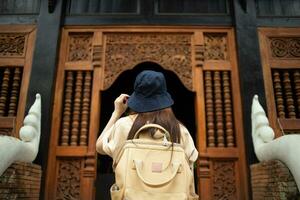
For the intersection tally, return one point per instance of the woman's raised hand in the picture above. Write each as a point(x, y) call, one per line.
point(121, 104)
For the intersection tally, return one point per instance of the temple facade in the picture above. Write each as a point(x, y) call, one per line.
point(79, 55)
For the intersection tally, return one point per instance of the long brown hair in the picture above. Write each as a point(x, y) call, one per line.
point(164, 117)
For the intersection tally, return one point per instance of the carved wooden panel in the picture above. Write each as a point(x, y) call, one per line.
point(12, 44)
point(76, 108)
point(16, 51)
point(126, 50)
point(92, 59)
point(68, 179)
point(215, 45)
point(224, 182)
point(280, 49)
point(10, 80)
point(219, 111)
point(286, 90)
point(285, 47)
point(80, 46)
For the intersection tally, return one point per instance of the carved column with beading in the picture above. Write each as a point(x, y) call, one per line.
point(76, 109)
point(12, 108)
point(297, 90)
point(218, 109)
point(228, 109)
point(67, 109)
point(209, 109)
point(4, 91)
point(278, 95)
point(288, 95)
point(85, 109)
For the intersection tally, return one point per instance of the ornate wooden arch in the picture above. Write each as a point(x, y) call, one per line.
point(126, 50)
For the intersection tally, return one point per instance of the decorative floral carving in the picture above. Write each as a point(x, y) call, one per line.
point(215, 45)
point(80, 46)
point(68, 181)
point(12, 44)
point(224, 184)
point(285, 47)
point(171, 51)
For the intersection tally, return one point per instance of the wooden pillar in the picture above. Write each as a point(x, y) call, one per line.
point(249, 64)
point(43, 74)
point(250, 68)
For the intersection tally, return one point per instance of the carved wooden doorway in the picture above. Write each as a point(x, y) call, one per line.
point(90, 61)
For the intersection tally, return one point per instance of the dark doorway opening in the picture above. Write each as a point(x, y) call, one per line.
point(183, 108)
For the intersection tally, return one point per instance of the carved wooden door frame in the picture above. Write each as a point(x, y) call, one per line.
point(279, 48)
point(16, 52)
point(91, 59)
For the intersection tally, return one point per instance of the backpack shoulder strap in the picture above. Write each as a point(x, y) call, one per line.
point(167, 134)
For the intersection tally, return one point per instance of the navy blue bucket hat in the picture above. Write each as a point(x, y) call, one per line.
point(150, 92)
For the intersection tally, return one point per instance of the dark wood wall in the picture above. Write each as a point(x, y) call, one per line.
point(278, 8)
point(19, 6)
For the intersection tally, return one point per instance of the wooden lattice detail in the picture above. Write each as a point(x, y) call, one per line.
point(278, 94)
point(85, 108)
point(4, 92)
point(280, 53)
point(297, 90)
point(288, 95)
point(80, 46)
point(68, 101)
point(219, 111)
point(228, 109)
point(224, 183)
point(215, 46)
point(10, 80)
point(76, 108)
point(219, 114)
point(68, 179)
point(209, 109)
point(286, 84)
point(13, 103)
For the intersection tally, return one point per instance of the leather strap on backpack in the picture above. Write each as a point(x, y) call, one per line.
point(146, 126)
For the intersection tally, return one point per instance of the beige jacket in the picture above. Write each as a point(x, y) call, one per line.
point(113, 139)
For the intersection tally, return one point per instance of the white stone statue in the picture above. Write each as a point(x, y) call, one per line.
point(285, 148)
point(25, 150)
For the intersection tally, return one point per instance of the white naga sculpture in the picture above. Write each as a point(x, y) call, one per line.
point(285, 148)
point(25, 150)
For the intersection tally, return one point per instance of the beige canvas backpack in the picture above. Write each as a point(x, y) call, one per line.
point(149, 169)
